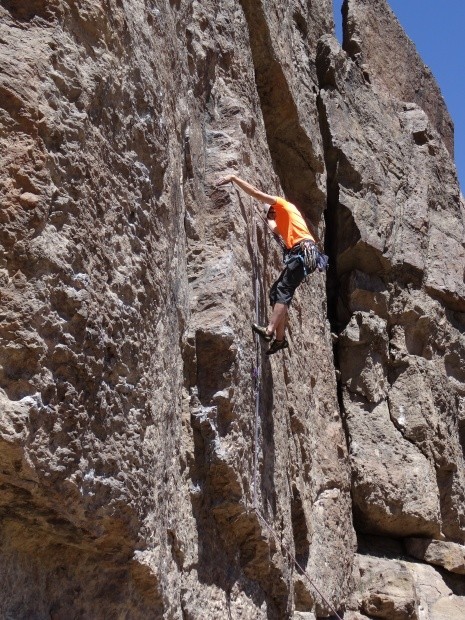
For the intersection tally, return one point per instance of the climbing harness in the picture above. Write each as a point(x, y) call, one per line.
point(307, 251)
point(256, 376)
point(310, 256)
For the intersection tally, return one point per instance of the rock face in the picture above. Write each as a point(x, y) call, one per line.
point(399, 306)
point(375, 39)
point(153, 461)
point(446, 554)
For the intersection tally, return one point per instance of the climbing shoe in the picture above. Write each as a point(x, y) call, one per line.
point(261, 331)
point(277, 345)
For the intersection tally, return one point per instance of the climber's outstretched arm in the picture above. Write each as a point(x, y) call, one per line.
point(248, 189)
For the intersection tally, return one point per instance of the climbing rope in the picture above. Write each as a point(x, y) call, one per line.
point(256, 375)
point(258, 367)
point(293, 559)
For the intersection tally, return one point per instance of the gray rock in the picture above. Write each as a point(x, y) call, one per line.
point(129, 282)
point(396, 303)
point(391, 589)
point(387, 589)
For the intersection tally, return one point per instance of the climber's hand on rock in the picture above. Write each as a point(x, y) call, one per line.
point(229, 178)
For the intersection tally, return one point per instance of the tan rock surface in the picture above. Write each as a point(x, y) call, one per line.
point(131, 389)
point(437, 601)
point(446, 554)
point(127, 429)
point(392, 588)
point(387, 589)
point(401, 340)
point(374, 37)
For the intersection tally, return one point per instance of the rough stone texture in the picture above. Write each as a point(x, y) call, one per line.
point(387, 589)
point(446, 554)
point(394, 215)
point(399, 589)
point(440, 599)
point(304, 615)
point(128, 283)
point(375, 39)
point(130, 382)
point(398, 306)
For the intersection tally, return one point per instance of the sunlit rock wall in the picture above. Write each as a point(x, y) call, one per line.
point(144, 435)
point(129, 284)
point(396, 221)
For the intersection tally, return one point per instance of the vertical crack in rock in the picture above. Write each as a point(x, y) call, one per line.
point(233, 548)
point(391, 188)
point(294, 143)
point(222, 420)
point(296, 159)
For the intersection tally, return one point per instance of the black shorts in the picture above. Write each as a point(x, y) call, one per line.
point(284, 288)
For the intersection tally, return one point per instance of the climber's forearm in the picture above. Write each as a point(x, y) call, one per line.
point(248, 189)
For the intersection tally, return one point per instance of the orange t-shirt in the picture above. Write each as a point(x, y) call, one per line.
point(290, 224)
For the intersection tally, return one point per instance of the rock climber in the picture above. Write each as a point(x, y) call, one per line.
point(301, 257)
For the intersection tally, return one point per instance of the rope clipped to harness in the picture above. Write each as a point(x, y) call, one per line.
point(311, 257)
point(307, 251)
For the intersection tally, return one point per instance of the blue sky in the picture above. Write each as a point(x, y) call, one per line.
point(437, 28)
